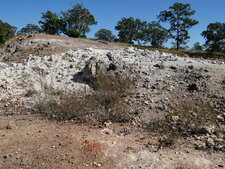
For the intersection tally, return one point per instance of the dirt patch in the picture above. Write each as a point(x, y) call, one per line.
point(19, 48)
point(39, 143)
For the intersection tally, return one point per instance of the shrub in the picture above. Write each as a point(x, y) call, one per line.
point(59, 109)
point(72, 33)
point(193, 115)
point(187, 118)
point(105, 102)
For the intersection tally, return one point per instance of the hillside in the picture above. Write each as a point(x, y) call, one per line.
point(169, 111)
point(22, 46)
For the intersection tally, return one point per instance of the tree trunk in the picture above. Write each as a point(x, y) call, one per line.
point(177, 39)
point(178, 45)
point(211, 51)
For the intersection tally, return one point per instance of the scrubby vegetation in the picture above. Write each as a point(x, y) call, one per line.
point(186, 118)
point(105, 102)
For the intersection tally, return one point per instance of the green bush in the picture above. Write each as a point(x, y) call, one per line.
point(72, 33)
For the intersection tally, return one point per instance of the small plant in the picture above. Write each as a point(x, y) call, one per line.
point(165, 87)
point(39, 70)
point(84, 56)
point(47, 64)
point(30, 93)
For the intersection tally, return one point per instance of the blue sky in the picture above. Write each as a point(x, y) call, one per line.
point(108, 12)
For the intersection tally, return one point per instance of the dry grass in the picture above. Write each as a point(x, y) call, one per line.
point(105, 102)
point(186, 52)
point(187, 118)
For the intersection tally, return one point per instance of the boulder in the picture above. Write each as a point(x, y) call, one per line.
point(91, 69)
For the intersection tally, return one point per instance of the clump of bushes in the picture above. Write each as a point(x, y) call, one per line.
point(105, 102)
point(72, 33)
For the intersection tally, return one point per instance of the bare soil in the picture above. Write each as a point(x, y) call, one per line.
point(29, 141)
point(21, 47)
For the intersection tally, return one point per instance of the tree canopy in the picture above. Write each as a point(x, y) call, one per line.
point(6, 31)
point(51, 23)
point(215, 36)
point(78, 20)
point(130, 29)
point(29, 29)
point(180, 22)
point(155, 34)
point(197, 47)
point(105, 34)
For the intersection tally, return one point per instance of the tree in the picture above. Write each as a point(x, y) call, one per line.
point(78, 20)
point(197, 47)
point(6, 31)
point(180, 22)
point(130, 29)
point(29, 29)
point(72, 33)
point(215, 36)
point(51, 23)
point(155, 34)
point(223, 48)
point(105, 34)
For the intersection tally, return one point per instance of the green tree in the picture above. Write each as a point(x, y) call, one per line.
point(223, 48)
point(105, 34)
point(6, 31)
point(72, 33)
point(51, 23)
point(155, 34)
point(197, 47)
point(180, 22)
point(215, 36)
point(78, 20)
point(130, 29)
point(29, 29)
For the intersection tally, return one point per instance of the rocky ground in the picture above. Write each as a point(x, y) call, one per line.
point(187, 94)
